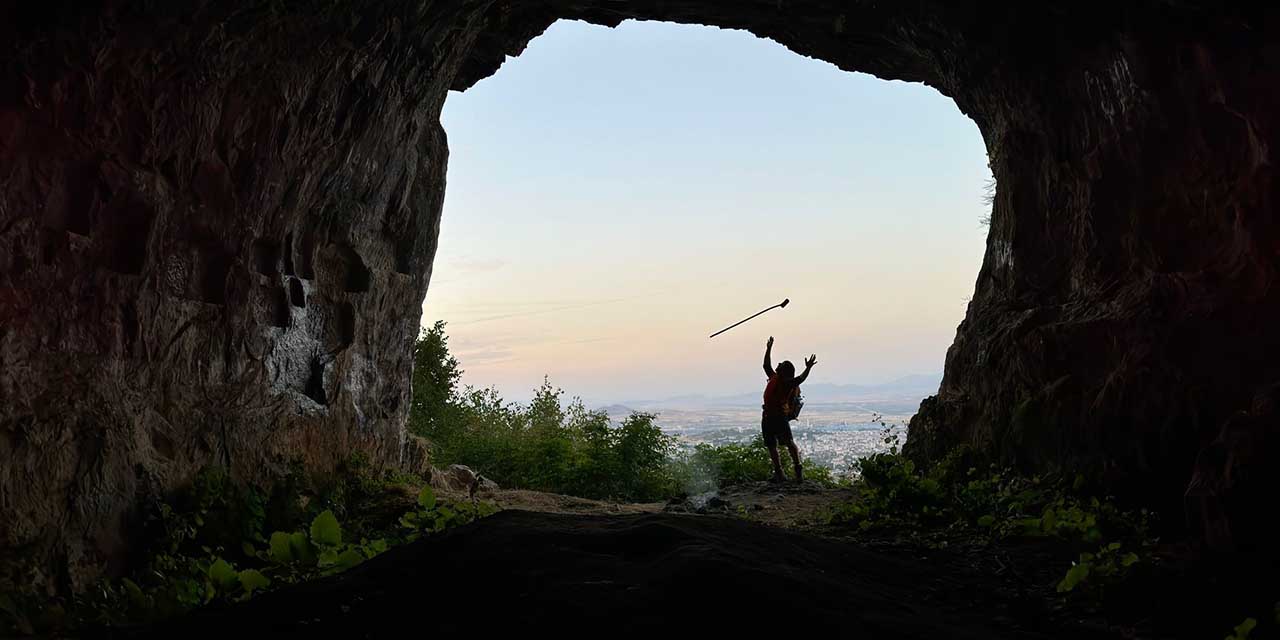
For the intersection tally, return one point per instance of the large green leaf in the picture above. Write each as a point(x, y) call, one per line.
point(328, 557)
point(1243, 630)
point(325, 530)
point(1049, 520)
point(349, 558)
point(427, 498)
point(252, 579)
point(280, 548)
point(1074, 577)
point(136, 597)
point(300, 548)
point(223, 575)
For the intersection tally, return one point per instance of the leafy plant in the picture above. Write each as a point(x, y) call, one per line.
point(432, 516)
point(1096, 569)
point(995, 503)
point(298, 555)
point(1243, 630)
point(189, 565)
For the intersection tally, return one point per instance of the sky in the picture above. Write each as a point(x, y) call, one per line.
point(616, 195)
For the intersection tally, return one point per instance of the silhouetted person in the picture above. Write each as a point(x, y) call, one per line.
point(780, 395)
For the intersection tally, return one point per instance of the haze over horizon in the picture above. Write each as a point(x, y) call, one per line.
point(616, 195)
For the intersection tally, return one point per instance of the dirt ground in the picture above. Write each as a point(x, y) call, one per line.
point(784, 504)
point(648, 574)
point(521, 500)
point(753, 559)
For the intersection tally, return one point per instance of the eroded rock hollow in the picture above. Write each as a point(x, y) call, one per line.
point(217, 223)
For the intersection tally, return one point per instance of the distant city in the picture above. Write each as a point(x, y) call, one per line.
point(840, 422)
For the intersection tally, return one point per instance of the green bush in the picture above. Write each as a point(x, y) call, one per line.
point(549, 445)
point(563, 447)
point(999, 503)
point(709, 467)
point(1004, 503)
point(435, 384)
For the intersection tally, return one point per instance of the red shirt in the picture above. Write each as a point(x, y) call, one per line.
point(776, 394)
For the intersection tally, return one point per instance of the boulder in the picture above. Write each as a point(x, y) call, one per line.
point(459, 478)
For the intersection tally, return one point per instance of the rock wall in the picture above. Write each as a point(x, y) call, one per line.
point(217, 222)
point(1123, 321)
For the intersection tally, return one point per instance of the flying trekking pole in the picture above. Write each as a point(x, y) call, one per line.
point(780, 305)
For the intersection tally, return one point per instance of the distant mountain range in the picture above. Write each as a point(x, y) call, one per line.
point(910, 388)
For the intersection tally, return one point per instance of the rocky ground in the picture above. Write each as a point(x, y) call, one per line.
point(752, 559)
point(657, 573)
point(783, 504)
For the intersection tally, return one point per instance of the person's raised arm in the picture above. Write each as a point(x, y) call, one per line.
point(768, 364)
point(808, 364)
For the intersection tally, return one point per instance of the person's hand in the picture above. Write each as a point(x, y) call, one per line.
point(770, 343)
point(810, 361)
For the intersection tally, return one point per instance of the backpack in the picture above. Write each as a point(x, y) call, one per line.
point(792, 406)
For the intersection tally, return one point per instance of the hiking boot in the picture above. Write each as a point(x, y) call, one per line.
point(799, 476)
point(776, 478)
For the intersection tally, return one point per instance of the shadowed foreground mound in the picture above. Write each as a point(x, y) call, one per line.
point(624, 575)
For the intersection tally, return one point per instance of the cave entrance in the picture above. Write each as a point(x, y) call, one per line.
point(617, 194)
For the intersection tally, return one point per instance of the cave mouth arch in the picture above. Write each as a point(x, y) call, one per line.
point(1122, 321)
point(1098, 125)
point(682, 146)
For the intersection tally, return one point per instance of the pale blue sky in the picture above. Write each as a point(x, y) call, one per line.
point(616, 195)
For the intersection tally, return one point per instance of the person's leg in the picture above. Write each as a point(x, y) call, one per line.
point(771, 441)
point(786, 438)
point(777, 464)
point(795, 458)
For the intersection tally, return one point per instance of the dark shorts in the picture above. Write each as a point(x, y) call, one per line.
point(776, 429)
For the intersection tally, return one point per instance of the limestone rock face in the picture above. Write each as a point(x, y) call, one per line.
point(217, 222)
point(216, 228)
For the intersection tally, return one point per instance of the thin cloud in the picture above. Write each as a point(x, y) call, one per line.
point(479, 265)
point(589, 340)
point(570, 307)
point(484, 356)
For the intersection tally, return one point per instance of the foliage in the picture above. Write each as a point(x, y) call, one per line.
point(551, 445)
point(1243, 630)
point(995, 503)
point(435, 384)
point(1003, 503)
point(208, 547)
point(433, 516)
point(1095, 569)
point(297, 556)
point(562, 447)
point(708, 467)
point(891, 491)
